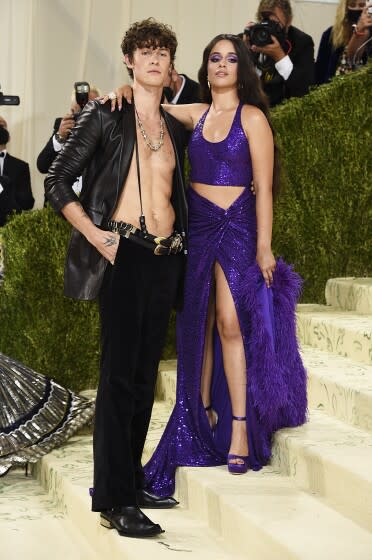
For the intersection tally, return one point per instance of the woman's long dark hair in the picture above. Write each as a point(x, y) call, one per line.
point(249, 88)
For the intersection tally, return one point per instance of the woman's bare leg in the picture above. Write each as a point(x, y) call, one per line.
point(206, 377)
point(233, 360)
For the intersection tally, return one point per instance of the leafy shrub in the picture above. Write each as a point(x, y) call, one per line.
point(323, 218)
point(39, 326)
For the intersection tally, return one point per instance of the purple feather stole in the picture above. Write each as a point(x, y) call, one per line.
point(276, 378)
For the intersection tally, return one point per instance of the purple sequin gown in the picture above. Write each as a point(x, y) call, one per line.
point(276, 379)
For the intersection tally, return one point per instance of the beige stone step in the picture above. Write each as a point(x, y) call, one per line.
point(353, 294)
point(340, 332)
point(258, 516)
point(167, 382)
point(332, 460)
point(339, 387)
point(33, 526)
point(265, 515)
point(271, 507)
point(67, 474)
point(325, 456)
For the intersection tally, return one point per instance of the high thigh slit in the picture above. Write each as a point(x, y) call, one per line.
point(276, 379)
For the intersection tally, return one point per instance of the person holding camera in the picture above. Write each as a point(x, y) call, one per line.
point(283, 54)
point(347, 44)
point(62, 127)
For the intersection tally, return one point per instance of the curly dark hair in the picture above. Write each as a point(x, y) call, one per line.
point(249, 87)
point(148, 33)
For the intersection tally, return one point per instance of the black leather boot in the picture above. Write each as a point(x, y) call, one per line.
point(150, 501)
point(129, 521)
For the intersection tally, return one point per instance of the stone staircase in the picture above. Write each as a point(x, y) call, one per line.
point(34, 526)
point(313, 502)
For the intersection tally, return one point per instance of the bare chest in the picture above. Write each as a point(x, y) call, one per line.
point(152, 161)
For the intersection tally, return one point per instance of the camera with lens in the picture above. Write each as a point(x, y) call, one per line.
point(82, 90)
point(8, 99)
point(260, 33)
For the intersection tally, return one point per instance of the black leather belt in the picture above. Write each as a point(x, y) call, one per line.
point(158, 245)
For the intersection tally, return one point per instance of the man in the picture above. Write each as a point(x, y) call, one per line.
point(180, 89)
point(286, 67)
point(7, 201)
point(61, 129)
point(124, 249)
point(15, 178)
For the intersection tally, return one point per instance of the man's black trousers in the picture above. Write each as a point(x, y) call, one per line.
point(136, 299)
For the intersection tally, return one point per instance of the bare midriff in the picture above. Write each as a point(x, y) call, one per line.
point(156, 170)
point(219, 195)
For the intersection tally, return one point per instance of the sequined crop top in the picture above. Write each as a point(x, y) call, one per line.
point(225, 163)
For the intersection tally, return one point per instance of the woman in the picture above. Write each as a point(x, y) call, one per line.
point(239, 376)
point(341, 46)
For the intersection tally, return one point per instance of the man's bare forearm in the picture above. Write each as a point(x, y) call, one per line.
point(106, 242)
point(76, 215)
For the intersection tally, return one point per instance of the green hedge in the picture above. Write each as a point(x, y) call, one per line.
point(47, 331)
point(52, 334)
point(323, 219)
point(322, 224)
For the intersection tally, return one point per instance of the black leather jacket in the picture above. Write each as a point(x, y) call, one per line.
point(102, 144)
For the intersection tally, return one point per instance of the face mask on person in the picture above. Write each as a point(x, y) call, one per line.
point(353, 15)
point(4, 136)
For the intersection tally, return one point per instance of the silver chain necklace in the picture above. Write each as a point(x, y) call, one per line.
point(154, 147)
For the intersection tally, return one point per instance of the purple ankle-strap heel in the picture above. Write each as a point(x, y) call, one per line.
point(238, 468)
point(214, 417)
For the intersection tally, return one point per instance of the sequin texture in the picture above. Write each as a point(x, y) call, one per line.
point(276, 379)
point(225, 163)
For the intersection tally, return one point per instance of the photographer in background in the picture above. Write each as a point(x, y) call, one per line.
point(15, 181)
point(63, 126)
point(347, 44)
point(284, 55)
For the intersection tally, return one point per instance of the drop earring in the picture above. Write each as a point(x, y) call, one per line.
point(208, 84)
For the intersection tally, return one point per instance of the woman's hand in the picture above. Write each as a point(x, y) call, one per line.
point(365, 20)
point(116, 97)
point(266, 261)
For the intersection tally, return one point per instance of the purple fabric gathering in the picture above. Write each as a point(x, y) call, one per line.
point(276, 378)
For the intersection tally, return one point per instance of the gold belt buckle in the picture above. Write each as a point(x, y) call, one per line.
point(158, 240)
point(130, 230)
point(157, 250)
point(176, 245)
point(159, 246)
point(113, 225)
